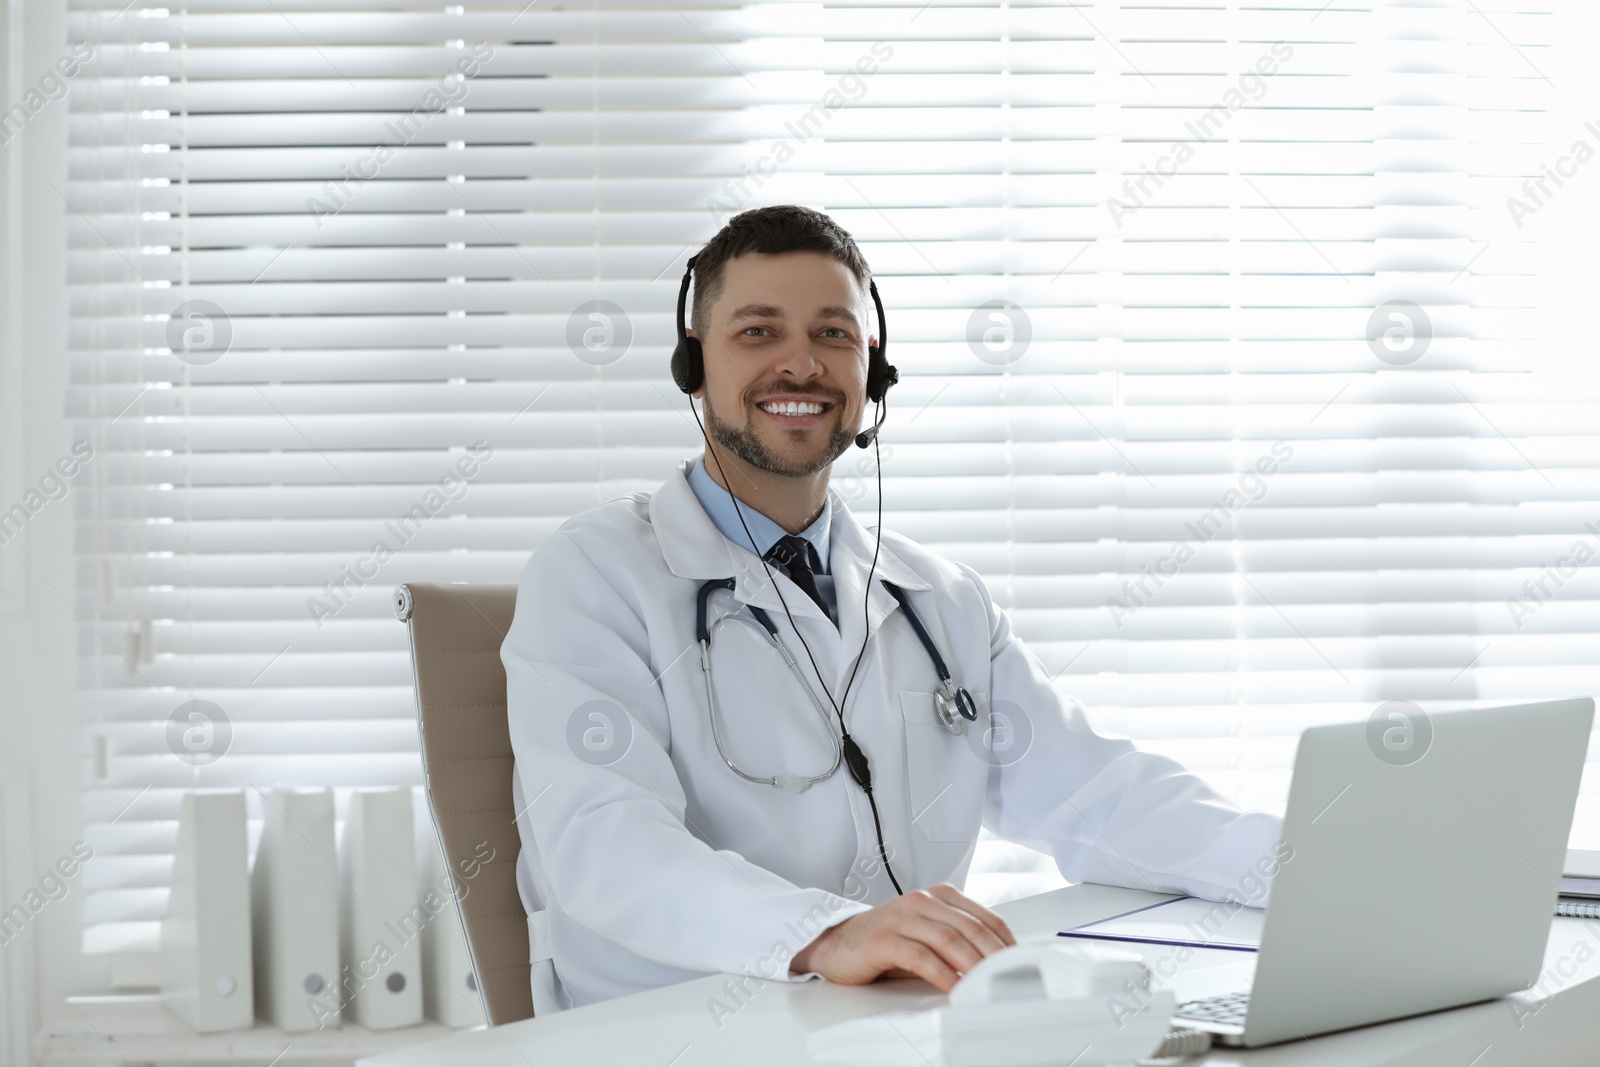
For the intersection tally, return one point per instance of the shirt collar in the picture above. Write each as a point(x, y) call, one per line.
point(719, 505)
point(692, 547)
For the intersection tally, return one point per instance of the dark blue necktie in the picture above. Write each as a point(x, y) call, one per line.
point(799, 560)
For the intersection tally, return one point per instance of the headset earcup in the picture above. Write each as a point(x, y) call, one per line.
point(880, 374)
point(688, 367)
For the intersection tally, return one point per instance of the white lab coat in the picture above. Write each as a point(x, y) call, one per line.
point(647, 861)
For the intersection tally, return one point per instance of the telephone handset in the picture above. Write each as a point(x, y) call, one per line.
point(1042, 1002)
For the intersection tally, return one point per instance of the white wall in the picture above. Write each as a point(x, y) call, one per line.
point(37, 633)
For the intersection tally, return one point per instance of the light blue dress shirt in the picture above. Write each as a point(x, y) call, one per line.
point(719, 505)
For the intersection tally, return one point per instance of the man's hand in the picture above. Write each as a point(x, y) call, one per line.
point(936, 934)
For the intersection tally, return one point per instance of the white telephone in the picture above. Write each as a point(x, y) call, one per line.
point(1042, 1002)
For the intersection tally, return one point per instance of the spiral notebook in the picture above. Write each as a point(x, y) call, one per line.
point(1580, 885)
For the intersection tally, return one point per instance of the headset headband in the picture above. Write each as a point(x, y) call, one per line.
point(688, 357)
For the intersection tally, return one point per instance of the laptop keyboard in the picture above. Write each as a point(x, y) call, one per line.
point(1228, 1008)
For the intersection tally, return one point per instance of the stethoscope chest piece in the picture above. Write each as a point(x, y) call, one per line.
point(956, 708)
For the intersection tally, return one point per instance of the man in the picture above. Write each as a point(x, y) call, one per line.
point(659, 845)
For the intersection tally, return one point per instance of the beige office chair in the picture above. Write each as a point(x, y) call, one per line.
point(467, 766)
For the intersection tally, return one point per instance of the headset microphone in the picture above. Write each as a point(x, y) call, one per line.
point(867, 436)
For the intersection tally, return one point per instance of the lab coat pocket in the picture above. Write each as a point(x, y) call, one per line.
point(946, 782)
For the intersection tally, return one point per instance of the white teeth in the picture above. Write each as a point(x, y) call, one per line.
point(792, 407)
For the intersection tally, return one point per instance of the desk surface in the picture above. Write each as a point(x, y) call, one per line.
point(1556, 1023)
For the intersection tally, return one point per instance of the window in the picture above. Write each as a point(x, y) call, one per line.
point(1212, 325)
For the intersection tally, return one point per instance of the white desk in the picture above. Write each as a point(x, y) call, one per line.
point(1558, 1025)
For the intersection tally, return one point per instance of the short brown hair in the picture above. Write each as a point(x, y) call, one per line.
point(771, 231)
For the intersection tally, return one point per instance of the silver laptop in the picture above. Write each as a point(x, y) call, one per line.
point(1427, 854)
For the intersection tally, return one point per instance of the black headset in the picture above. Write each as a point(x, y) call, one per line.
point(689, 367)
point(688, 370)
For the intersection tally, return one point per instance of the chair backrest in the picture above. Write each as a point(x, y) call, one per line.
point(456, 632)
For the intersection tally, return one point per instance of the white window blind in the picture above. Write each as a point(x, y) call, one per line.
point(1196, 217)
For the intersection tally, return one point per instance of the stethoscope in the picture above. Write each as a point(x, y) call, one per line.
point(954, 703)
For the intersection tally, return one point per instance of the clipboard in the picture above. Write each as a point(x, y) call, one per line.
point(1184, 922)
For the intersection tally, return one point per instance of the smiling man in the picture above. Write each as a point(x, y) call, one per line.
point(731, 703)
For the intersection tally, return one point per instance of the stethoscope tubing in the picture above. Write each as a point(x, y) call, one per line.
point(953, 694)
point(958, 694)
point(790, 783)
